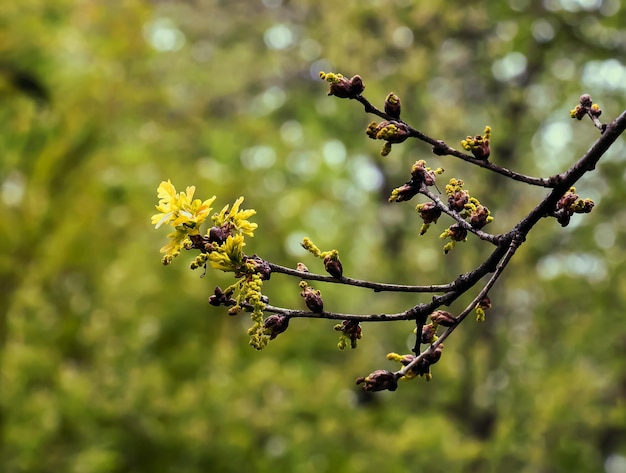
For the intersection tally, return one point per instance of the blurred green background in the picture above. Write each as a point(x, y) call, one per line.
point(111, 362)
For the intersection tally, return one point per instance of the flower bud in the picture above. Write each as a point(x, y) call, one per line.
point(443, 318)
point(480, 217)
point(356, 86)
point(379, 380)
point(585, 100)
point(219, 297)
point(485, 303)
point(457, 233)
point(429, 212)
point(567, 200)
point(392, 105)
point(434, 356)
point(595, 110)
point(343, 87)
point(583, 206)
point(429, 333)
point(261, 266)
point(312, 299)
point(275, 325)
point(218, 235)
point(350, 329)
point(333, 266)
point(404, 192)
point(458, 200)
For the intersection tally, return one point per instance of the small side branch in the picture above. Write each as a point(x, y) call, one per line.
point(292, 313)
point(494, 239)
point(375, 286)
point(443, 149)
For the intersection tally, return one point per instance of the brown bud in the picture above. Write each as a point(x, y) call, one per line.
point(352, 329)
point(346, 88)
point(341, 88)
point(302, 267)
point(567, 200)
point(404, 192)
point(458, 200)
point(443, 318)
point(479, 217)
point(421, 174)
point(262, 267)
point(457, 232)
point(356, 86)
point(333, 266)
point(563, 217)
point(218, 235)
point(428, 333)
point(579, 112)
point(379, 380)
point(275, 325)
point(429, 212)
point(595, 111)
point(219, 297)
point(393, 106)
point(400, 133)
point(585, 100)
point(483, 150)
point(434, 356)
point(485, 303)
point(313, 299)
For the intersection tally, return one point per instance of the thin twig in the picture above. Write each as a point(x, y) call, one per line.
point(292, 313)
point(444, 149)
point(375, 286)
point(460, 220)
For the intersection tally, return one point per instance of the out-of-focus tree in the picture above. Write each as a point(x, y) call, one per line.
point(112, 363)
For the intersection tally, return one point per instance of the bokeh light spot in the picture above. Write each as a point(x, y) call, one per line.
point(279, 36)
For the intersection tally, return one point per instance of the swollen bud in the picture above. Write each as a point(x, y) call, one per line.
point(220, 297)
point(275, 325)
point(333, 266)
point(343, 87)
point(312, 298)
point(443, 318)
point(261, 266)
point(393, 106)
point(379, 380)
point(429, 333)
point(429, 212)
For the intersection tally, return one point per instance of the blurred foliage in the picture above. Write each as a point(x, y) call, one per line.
point(113, 363)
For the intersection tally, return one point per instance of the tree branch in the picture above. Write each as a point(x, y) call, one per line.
point(444, 149)
point(375, 286)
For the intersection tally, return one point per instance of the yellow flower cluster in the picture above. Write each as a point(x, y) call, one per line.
point(230, 254)
point(237, 219)
point(185, 214)
point(182, 212)
point(478, 145)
